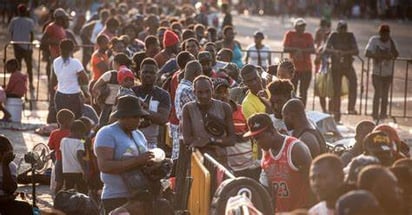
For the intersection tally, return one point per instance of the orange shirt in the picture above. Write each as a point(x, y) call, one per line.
point(97, 58)
point(294, 40)
point(54, 141)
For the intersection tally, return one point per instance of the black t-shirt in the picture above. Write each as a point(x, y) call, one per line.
point(344, 42)
point(156, 98)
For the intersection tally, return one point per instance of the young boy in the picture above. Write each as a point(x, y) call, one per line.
point(72, 148)
point(65, 119)
point(17, 86)
point(125, 78)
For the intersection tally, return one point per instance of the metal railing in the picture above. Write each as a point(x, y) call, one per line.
point(399, 76)
point(34, 44)
point(34, 96)
point(364, 83)
point(215, 168)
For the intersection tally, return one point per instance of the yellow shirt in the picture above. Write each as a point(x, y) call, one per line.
point(251, 104)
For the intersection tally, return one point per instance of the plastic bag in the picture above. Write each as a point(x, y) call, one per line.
point(324, 85)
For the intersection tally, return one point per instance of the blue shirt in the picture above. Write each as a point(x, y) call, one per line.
point(112, 136)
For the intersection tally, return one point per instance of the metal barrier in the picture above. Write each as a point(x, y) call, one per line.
point(207, 174)
point(218, 172)
point(200, 192)
point(34, 96)
point(35, 44)
point(397, 80)
point(272, 53)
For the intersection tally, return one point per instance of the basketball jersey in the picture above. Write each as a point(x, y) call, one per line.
point(289, 190)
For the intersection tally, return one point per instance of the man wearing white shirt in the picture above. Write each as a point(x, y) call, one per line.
point(258, 54)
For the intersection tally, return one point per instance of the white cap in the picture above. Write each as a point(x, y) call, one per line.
point(299, 21)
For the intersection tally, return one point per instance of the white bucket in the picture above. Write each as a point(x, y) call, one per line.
point(15, 108)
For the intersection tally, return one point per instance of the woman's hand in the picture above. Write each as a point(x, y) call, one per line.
point(144, 158)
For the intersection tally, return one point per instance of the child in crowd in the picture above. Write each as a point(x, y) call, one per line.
point(125, 78)
point(65, 119)
point(16, 88)
point(72, 148)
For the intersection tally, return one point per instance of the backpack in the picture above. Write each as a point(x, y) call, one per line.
point(319, 137)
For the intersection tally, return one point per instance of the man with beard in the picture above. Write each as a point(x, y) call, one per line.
point(296, 121)
point(155, 101)
point(326, 180)
point(285, 164)
point(207, 123)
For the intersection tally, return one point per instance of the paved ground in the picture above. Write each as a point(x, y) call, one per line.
point(35, 114)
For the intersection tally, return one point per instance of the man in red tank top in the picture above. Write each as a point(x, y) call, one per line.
point(285, 164)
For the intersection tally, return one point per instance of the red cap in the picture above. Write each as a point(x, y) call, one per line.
point(170, 38)
point(384, 28)
point(21, 8)
point(123, 73)
point(258, 123)
point(390, 131)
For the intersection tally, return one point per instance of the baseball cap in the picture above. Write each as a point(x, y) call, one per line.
point(60, 12)
point(21, 8)
point(378, 140)
point(384, 28)
point(258, 123)
point(259, 34)
point(123, 73)
point(299, 21)
point(342, 23)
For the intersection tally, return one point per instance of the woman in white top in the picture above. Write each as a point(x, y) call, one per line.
point(69, 75)
point(258, 54)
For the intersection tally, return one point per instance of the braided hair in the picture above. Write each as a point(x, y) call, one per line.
point(288, 65)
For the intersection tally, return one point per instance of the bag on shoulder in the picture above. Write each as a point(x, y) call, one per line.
point(136, 182)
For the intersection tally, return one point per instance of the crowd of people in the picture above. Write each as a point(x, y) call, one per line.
point(157, 80)
point(337, 8)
